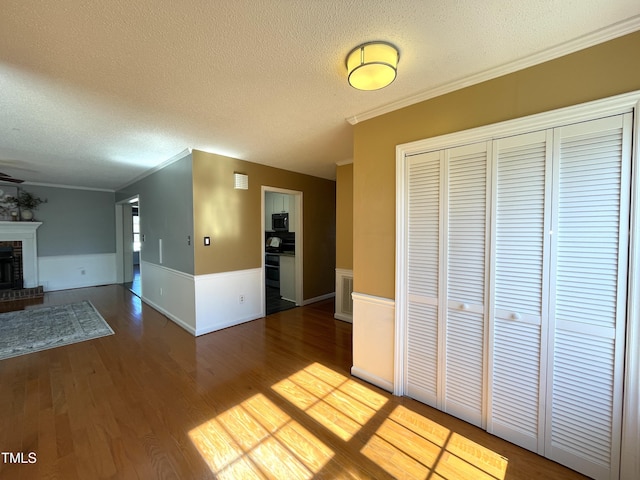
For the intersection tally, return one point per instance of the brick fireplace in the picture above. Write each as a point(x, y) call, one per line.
point(19, 260)
point(11, 265)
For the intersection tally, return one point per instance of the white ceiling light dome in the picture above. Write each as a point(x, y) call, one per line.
point(372, 65)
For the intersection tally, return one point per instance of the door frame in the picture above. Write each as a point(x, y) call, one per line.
point(123, 218)
point(629, 102)
point(298, 225)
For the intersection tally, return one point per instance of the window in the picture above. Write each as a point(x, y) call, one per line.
point(136, 229)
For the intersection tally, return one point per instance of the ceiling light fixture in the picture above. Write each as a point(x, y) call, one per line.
point(372, 65)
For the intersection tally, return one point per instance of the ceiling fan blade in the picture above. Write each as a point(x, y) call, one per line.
point(8, 178)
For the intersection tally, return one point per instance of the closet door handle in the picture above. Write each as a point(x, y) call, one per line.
point(515, 316)
point(464, 306)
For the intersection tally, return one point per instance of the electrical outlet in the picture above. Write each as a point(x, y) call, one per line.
point(241, 299)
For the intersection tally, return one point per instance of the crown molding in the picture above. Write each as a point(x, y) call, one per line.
point(69, 187)
point(342, 163)
point(599, 36)
point(175, 158)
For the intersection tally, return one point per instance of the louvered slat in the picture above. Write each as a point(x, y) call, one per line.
point(582, 397)
point(422, 347)
point(467, 224)
point(589, 258)
point(424, 219)
point(516, 376)
point(464, 366)
point(467, 218)
point(518, 272)
point(423, 265)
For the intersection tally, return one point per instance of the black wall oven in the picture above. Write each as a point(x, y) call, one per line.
point(272, 270)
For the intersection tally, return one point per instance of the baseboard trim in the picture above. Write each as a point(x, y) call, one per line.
point(372, 379)
point(170, 316)
point(343, 317)
point(233, 323)
point(309, 301)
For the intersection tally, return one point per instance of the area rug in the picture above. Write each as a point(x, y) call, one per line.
point(36, 329)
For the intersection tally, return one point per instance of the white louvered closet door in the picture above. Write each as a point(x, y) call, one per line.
point(462, 393)
point(520, 273)
point(588, 294)
point(423, 275)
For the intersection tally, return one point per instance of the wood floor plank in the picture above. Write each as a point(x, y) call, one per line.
point(271, 398)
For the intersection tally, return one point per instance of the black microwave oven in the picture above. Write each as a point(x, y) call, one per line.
point(280, 222)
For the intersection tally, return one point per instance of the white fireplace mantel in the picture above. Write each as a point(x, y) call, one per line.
point(24, 232)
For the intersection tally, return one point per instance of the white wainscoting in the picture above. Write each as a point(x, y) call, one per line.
point(76, 271)
point(373, 339)
point(170, 292)
point(203, 303)
point(217, 299)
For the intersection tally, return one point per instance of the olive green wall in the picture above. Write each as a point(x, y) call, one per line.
point(597, 72)
point(233, 220)
point(344, 216)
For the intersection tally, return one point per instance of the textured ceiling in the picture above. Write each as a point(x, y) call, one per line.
point(95, 93)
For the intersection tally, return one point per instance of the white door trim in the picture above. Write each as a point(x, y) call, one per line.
point(299, 239)
point(630, 446)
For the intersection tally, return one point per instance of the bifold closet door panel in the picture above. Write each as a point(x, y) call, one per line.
point(423, 263)
point(466, 257)
point(588, 294)
point(521, 199)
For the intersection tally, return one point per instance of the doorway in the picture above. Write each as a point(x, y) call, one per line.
point(128, 244)
point(282, 248)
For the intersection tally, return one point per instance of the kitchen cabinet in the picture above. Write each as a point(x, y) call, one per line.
point(281, 202)
point(288, 277)
point(275, 202)
point(271, 206)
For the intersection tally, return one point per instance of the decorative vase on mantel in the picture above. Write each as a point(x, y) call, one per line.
point(26, 203)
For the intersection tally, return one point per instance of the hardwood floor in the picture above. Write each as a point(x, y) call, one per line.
point(274, 302)
point(271, 398)
point(135, 286)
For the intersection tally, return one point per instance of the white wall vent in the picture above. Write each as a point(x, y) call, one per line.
point(344, 289)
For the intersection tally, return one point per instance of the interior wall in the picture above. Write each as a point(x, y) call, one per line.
point(597, 72)
point(166, 206)
point(74, 221)
point(232, 218)
point(344, 216)
point(76, 241)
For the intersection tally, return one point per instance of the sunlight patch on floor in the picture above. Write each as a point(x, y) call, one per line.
point(408, 445)
point(340, 404)
point(256, 439)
